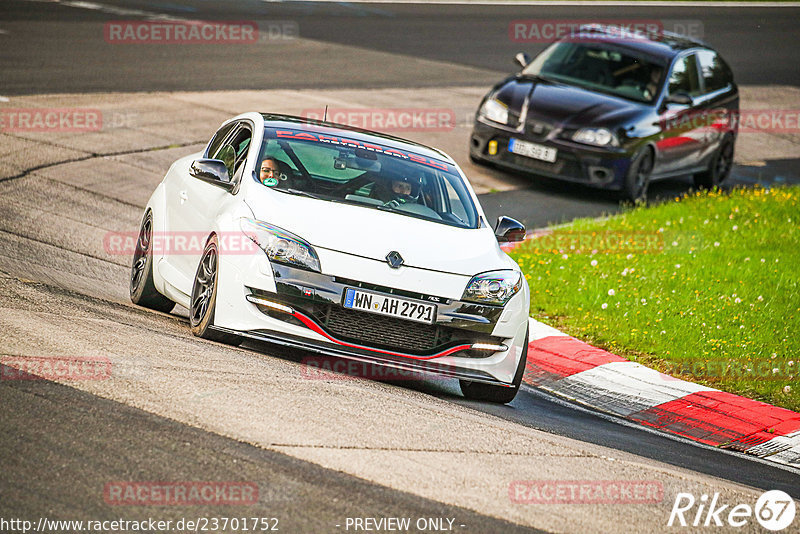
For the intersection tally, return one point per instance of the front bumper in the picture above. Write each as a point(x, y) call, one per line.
point(575, 162)
point(301, 309)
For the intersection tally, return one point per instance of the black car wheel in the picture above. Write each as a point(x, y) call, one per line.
point(142, 290)
point(719, 168)
point(638, 179)
point(500, 394)
point(204, 298)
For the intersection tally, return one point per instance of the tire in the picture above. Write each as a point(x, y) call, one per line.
point(719, 168)
point(142, 290)
point(204, 297)
point(637, 181)
point(479, 391)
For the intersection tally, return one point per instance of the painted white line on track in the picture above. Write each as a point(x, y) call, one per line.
point(540, 330)
point(781, 449)
point(4, 99)
point(624, 388)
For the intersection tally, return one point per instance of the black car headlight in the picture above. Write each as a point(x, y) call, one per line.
point(279, 245)
point(494, 287)
point(494, 111)
point(596, 137)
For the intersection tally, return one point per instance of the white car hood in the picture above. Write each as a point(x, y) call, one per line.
point(371, 233)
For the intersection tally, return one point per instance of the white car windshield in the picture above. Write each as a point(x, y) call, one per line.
point(373, 176)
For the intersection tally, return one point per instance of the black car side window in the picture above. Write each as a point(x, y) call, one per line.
point(684, 78)
point(234, 151)
point(241, 142)
point(716, 74)
point(219, 137)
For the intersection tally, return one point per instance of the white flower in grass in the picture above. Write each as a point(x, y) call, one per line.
point(787, 389)
point(604, 305)
point(716, 243)
point(611, 292)
point(594, 263)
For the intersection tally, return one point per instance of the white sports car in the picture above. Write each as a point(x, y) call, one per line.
point(341, 241)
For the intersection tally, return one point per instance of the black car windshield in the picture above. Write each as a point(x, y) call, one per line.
point(370, 175)
point(600, 67)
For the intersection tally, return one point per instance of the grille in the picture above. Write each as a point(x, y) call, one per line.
point(566, 165)
point(389, 333)
point(537, 129)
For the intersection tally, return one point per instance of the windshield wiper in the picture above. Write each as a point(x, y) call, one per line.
point(538, 77)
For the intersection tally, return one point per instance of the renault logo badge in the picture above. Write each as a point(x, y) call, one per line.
point(394, 259)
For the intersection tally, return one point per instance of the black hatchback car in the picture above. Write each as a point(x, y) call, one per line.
point(613, 111)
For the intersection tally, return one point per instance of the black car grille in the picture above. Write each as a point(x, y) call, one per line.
point(536, 129)
point(566, 165)
point(373, 330)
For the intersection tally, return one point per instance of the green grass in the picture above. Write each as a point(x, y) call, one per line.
point(705, 287)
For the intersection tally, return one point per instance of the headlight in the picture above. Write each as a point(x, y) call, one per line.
point(595, 136)
point(494, 111)
point(280, 246)
point(495, 287)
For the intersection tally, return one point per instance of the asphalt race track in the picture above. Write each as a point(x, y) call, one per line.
point(177, 408)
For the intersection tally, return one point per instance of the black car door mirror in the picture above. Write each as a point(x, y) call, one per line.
point(680, 98)
point(509, 230)
point(213, 171)
point(523, 59)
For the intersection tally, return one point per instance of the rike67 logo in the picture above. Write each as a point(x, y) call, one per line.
point(774, 510)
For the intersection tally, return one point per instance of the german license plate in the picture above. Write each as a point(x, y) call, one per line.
point(421, 312)
point(532, 150)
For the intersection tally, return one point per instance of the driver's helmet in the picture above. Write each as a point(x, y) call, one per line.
point(404, 188)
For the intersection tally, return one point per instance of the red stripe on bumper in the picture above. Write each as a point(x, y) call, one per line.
point(310, 323)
